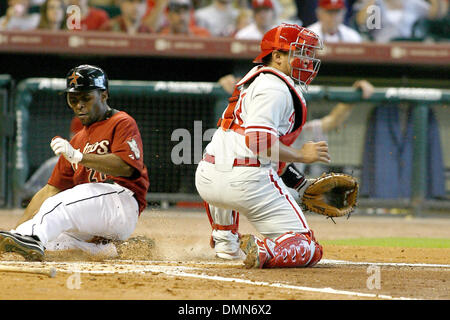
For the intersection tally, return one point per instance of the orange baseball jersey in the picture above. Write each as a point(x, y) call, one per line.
point(118, 134)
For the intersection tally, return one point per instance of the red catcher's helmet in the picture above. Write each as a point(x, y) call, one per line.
point(301, 43)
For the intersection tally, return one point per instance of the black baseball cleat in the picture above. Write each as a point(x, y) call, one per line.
point(27, 246)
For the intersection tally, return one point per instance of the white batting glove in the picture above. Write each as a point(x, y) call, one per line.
point(61, 146)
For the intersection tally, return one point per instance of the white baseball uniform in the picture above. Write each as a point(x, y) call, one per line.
point(232, 180)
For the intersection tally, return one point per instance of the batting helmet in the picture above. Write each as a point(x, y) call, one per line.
point(301, 43)
point(86, 78)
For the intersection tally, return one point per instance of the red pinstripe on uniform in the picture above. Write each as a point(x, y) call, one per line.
point(208, 213)
point(272, 130)
point(287, 198)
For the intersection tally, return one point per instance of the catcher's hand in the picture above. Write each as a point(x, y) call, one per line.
point(332, 194)
point(61, 146)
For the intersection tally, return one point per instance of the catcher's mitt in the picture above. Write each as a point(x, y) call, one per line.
point(332, 194)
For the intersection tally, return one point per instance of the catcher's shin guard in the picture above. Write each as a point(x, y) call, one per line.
point(288, 250)
point(294, 250)
point(225, 238)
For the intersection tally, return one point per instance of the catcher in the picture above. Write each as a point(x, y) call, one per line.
point(265, 115)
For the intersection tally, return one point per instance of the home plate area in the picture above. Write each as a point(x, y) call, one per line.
point(222, 278)
point(166, 260)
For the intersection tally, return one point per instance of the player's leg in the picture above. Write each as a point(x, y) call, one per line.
point(218, 194)
point(225, 235)
point(261, 195)
point(289, 250)
point(270, 207)
point(71, 241)
point(276, 215)
point(97, 209)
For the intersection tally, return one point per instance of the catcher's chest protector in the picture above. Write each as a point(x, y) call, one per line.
point(228, 118)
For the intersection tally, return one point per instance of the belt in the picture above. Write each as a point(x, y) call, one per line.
point(243, 162)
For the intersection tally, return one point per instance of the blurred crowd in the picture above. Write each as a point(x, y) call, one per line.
point(333, 20)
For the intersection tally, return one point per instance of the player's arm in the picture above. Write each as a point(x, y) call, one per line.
point(109, 164)
point(309, 153)
point(266, 145)
point(228, 82)
point(336, 117)
point(342, 111)
point(36, 202)
point(261, 135)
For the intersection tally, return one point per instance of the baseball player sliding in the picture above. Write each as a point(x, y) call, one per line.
point(264, 117)
point(98, 187)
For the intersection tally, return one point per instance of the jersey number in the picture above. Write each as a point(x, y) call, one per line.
point(95, 176)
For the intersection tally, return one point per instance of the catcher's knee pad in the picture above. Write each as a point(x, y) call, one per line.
point(293, 250)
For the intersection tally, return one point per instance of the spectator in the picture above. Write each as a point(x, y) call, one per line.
point(17, 16)
point(349, 19)
point(397, 16)
point(264, 20)
point(244, 18)
point(306, 11)
point(330, 26)
point(130, 19)
point(103, 3)
point(154, 18)
point(228, 82)
point(179, 17)
point(53, 13)
point(288, 11)
point(219, 18)
point(91, 18)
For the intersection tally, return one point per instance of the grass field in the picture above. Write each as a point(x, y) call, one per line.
point(392, 242)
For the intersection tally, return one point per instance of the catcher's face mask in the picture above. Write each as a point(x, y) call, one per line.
point(302, 54)
point(301, 43)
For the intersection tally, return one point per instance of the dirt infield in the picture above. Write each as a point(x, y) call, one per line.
point(178, 264)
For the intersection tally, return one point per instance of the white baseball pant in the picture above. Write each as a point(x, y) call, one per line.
point(256, 192)
point(86, 210)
